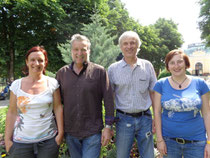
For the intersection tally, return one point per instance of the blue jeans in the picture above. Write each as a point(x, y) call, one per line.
point(89, 147)
point(44, 149)
point(188, 150)
point(128, 128)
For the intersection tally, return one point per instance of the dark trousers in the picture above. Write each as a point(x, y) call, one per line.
point(43, 149)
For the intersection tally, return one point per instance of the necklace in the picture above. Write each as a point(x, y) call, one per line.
point(180, 84)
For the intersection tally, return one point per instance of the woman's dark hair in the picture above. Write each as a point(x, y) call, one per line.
point(35, 49)
point(174, 52)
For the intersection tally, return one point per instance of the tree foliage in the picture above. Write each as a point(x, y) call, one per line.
point(79, 12)
point(150, 48)
point(158, 40)
point(103, 50)
point(204, 24)
point(50, 23)
point(65, 50)
point(118, 19)
point(168, 33)
point(25, 23)
point(164, 73)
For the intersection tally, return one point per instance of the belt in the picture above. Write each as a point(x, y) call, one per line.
point(184, 141)
point(139, 114)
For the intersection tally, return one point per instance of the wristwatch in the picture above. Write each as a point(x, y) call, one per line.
point(108, 126)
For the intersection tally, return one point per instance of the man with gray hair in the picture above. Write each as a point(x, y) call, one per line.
point(84, 85)
point(132, 80)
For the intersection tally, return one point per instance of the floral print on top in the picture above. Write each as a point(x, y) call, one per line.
point(35, 120)
point(22, 102)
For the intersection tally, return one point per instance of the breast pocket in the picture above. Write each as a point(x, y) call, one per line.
point(143, 84)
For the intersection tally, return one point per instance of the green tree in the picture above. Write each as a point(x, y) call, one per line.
point(151, 49)
point(79, 12)
point(65, 50)
point(158, 40)
point(103, 50)
point(118, 19)
point(204, 23)
point(25, 23)
point(168, 32)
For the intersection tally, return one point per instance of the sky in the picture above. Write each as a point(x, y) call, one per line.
point(185, 13)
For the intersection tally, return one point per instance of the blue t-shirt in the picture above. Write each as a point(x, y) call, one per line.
point(181, 116)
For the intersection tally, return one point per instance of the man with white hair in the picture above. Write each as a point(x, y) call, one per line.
point(84, 85)
point(132, 80)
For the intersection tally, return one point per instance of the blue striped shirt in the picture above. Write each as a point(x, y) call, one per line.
point(131, 85)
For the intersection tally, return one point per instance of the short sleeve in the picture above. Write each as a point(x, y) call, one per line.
point(203, 87)
point(53, 84)
point(58, 76)
point(15, 86)
point(208, 85)
point(153, 78)
point(158, 87)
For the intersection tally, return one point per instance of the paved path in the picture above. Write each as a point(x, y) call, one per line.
point(4, 103)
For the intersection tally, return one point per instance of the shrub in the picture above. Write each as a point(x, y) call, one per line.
point(166, 73)
point(3, 113)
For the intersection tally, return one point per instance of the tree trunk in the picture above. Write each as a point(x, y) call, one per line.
point(11, 64)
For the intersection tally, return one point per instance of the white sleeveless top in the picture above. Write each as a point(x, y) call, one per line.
point(35, 120)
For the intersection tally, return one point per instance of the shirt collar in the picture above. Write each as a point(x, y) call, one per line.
point(138, 62)
point(123, 63)
point(85, 65)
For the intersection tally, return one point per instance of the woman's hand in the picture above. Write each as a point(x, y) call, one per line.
point(161, 146)
point(207, 151)
point(59, 139)
point(8, 145)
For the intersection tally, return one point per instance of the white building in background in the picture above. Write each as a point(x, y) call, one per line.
point(199, 56)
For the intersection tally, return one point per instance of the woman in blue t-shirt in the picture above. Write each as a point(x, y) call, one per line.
point(181, 128)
